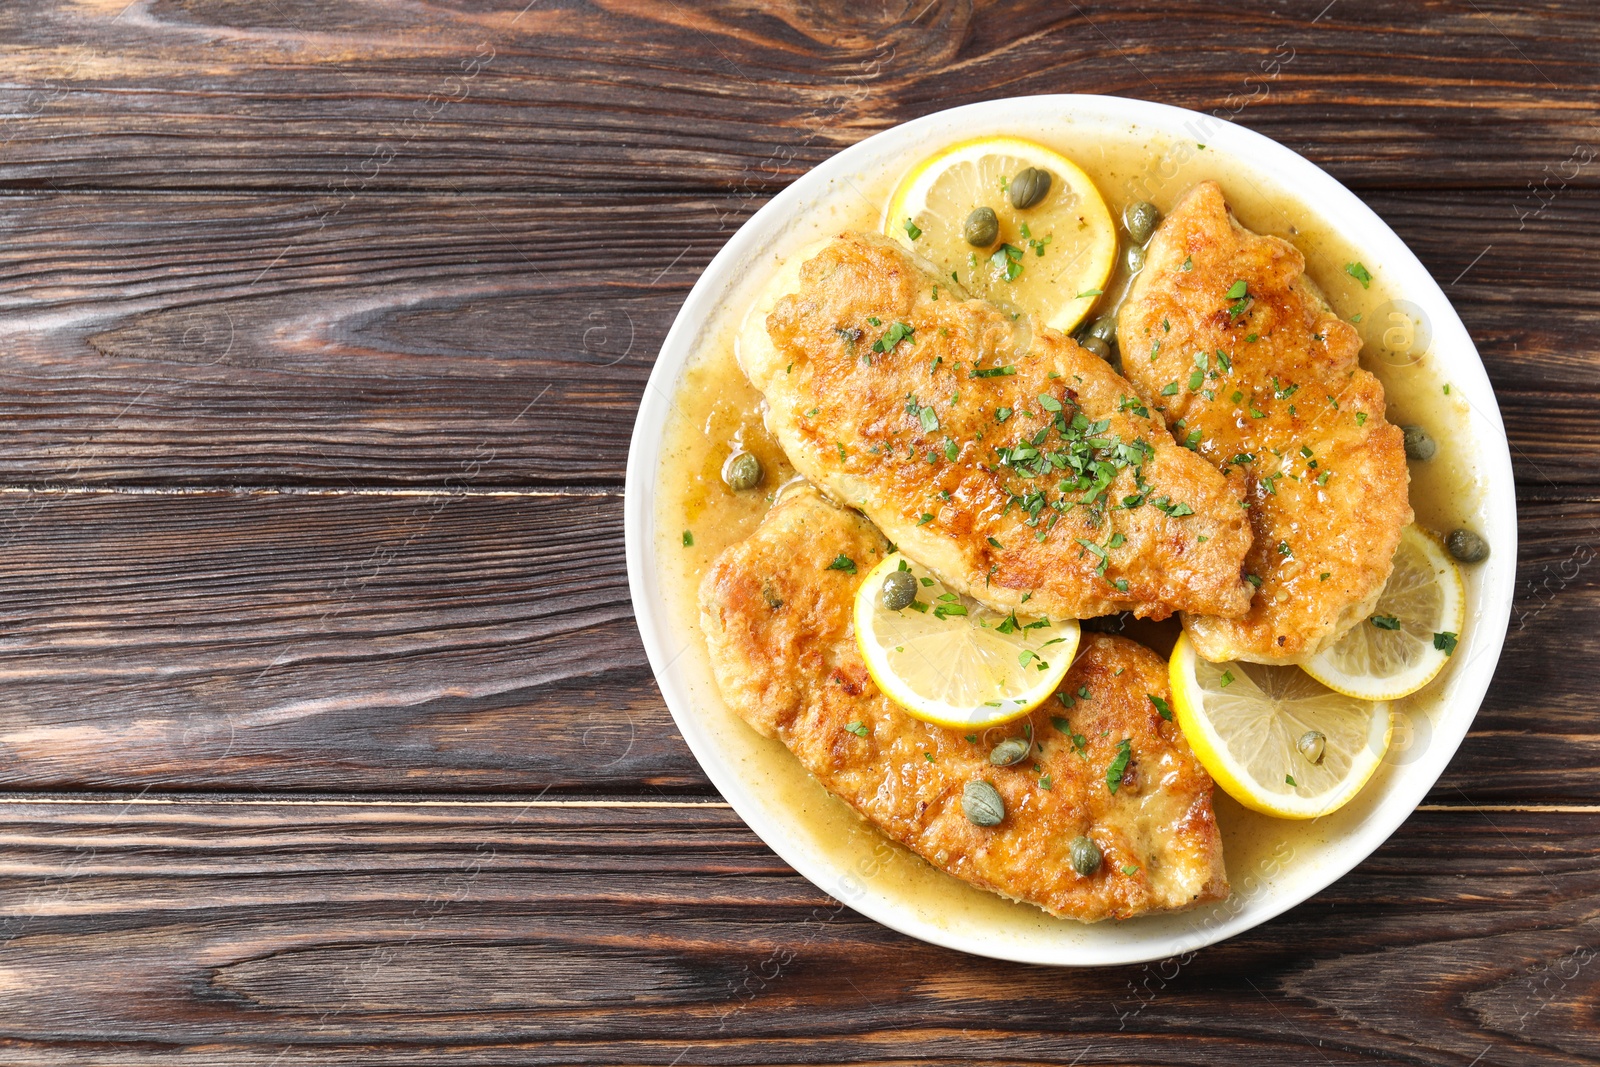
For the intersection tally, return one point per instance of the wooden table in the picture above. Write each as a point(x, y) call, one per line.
point(327, 735)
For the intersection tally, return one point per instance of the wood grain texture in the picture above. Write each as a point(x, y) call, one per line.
point(233, 932)
point(347, 96)
point(161, 339)
point(417, 641)
point(326, 643)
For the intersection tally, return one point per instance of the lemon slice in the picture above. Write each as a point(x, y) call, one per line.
point(1051, 259)
point(949, 661)
point(1408, 638)
point(1247, 723)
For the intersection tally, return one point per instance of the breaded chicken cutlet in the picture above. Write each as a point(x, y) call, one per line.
point(1223, 333)
point(778, 623)
point(996, 452)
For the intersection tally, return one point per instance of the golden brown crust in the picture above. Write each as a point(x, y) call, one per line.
point(850, 420)
point(1326, 523)
point(778, 623)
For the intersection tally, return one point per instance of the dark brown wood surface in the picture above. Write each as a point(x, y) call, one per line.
point(326, 735)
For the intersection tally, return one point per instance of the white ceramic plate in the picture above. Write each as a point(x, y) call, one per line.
point(1310, 856)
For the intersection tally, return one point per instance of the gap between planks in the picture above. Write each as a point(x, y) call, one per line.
point(124, 801)
point(297, 490)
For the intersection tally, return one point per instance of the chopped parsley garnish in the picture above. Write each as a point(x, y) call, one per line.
point(951, 450)
point(1445, 642)
point(1162, 707)
point(1007, 258)
point(1131, 869)
point(927, 517)
point(1289, 780)
point(893, 336)
point(1361, 418)
point(1170, 389)
point(1090, 292)
point(1237, 290)
point(844, 563)
point(1385, 622)
point(1227, 679)
point(1188, 263)
point(1253, 579)
point(995, 543)
point(994, 372)
point(1119, 764)
point(912, 230)
point(928, 418)
point(1002, 414)
point(858, 728)
point(941, 611)
point(1359, 273)
point(688, 539)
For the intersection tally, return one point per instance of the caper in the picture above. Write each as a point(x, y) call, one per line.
point(982, 227)
point(1085, 856)
point(899, 590)
point(742, 471)
point(1097, 346)
point(1135, 259)
point(1105, 328)
point(1419, 443)
point(981, 804)
point(1140, 217)
point(1467, 546)
point(1011, 750)
point(1312, 745)
point(1030, 186)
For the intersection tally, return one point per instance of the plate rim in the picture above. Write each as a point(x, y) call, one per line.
point(1332, 197)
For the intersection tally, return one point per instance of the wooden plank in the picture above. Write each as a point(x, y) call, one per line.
point(331, 97)
point(326, 643)
point(382, 643)
point(493, 341)
point(236, 932)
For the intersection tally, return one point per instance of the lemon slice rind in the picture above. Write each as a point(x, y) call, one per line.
point(1245, 734)
point(972, 670)
point(1425, 595)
